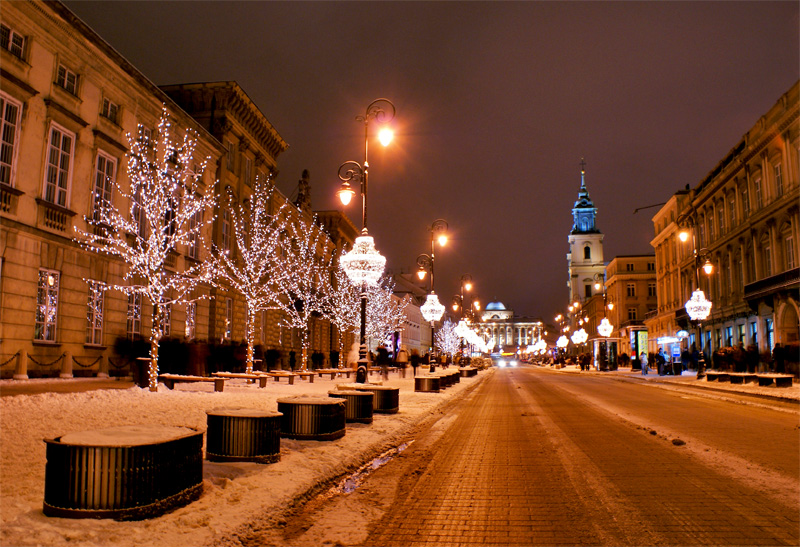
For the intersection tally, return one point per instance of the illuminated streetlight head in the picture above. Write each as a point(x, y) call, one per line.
point(385, 136)
point(610, 305)
point(442, 239)
point(597, 285)
point(345, 193)
point(468, 286)
point(421, 273)
point(477, 305)
point(708, 267)
point(683, 235)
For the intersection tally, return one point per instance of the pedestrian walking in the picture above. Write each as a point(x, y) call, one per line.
point(643, 359)
point(414, 361)
point(660, 361)
point(777, 358)
point(402, 361)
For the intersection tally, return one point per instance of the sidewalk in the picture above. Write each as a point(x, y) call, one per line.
point(689, 378)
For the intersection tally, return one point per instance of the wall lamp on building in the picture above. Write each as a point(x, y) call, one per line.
point(364, 264)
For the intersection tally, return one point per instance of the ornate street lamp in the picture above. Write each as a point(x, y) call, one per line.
point(364, 264)
point(434, 308)
point(698, 307)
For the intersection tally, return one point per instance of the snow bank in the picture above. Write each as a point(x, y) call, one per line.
point(234, 494)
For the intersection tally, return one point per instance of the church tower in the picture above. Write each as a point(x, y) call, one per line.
point(585, 256)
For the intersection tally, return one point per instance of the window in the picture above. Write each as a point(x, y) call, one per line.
point(59, 163)
point(12, 41)
point(94, 314)
point(721, 219)
point(134, 326)
point(757, 192)
point(248, 171)
point(109, 110)
point(230, 155)
point(651, 266)
point(46, 306)
point(226, 230)
point(729, 336)
point(769, 332)
point(754, 333)
point(732, 210)
point(766, 257)
point(629, 267)
point(711, 227)
point(587, 291)
point(166, 319)
point(740, 333)
point(632, 315)
point(776, 169)
point(191, 320)
point(631, 288)
point(587, 253)
point(103, 180)
point(10, 111)
point(788, 252)
point(651, 289)
point(745, 203)
point(193, 249)
point(145, 134)
point(228, 318)
point(67, 79)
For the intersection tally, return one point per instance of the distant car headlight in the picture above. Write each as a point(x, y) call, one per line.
point(501, 363)
point(512, 363)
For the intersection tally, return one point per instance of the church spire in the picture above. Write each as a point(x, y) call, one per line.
point(584, 212)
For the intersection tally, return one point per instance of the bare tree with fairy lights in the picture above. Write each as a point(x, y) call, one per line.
point(168, 209)
point(305, 270)
point(252, 268)
point(385, 314)
point(344, 306)
point(447, 339)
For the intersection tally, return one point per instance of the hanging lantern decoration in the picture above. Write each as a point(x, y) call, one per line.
point(605, 328)
point(432, 310)
point(363, 264)
point(579, 337)
point(698, 307)
point(562, 342)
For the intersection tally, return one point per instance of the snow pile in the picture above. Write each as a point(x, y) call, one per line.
point(234, 494)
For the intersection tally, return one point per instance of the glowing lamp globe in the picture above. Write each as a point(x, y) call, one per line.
point(432, 310)
point(562, 341)
point(605, 328)
point(363, 264)
point(698, 307)
point(579, 337)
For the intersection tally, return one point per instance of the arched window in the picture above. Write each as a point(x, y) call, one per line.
point(587, 252)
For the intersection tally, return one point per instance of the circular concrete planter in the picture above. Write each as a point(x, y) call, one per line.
point(427, 384)
point(243, 435)
point(312, 418)
point(357, 405)
point(123, 473)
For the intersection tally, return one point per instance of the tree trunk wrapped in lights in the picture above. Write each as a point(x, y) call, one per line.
point(167, 201)
point(385, 314)
point(344, 306)
point(447, 339)
point(252, 268)
point(304, 269)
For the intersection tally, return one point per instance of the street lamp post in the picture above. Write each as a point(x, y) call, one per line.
point(364, 264)
point(605, 328)
point(458, 301)
point(698, 307)
point(432, 310)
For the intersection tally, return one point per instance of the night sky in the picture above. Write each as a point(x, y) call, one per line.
point(496, 105)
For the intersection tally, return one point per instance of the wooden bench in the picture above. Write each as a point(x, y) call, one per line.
point(262, 380)
point(278, 375)
point(170, 380)
point(307, 375)
point(781, 380)
point(742, 377)
point(333, 372)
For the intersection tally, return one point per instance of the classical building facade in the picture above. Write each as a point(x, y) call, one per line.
point(628, 296)
point(743, 220)
point(68, 101)
point(505, 332)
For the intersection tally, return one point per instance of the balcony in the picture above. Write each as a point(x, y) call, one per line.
point(54, 217)
point(8, 199)
point(788, 280)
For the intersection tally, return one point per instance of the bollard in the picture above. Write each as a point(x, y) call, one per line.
point(21, 373)
point(102, 371)
point(66, 366)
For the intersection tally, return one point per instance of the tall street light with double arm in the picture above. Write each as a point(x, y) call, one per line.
point(698, 307)
point(432, 310)
point(605, 328)
point(364, 264)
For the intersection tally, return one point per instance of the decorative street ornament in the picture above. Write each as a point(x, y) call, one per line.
point(562, 342)
point(579, 337)
point(462, 330)
point(698, 307)
point(363, 264)
point(605, 328)
point(432, 310)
